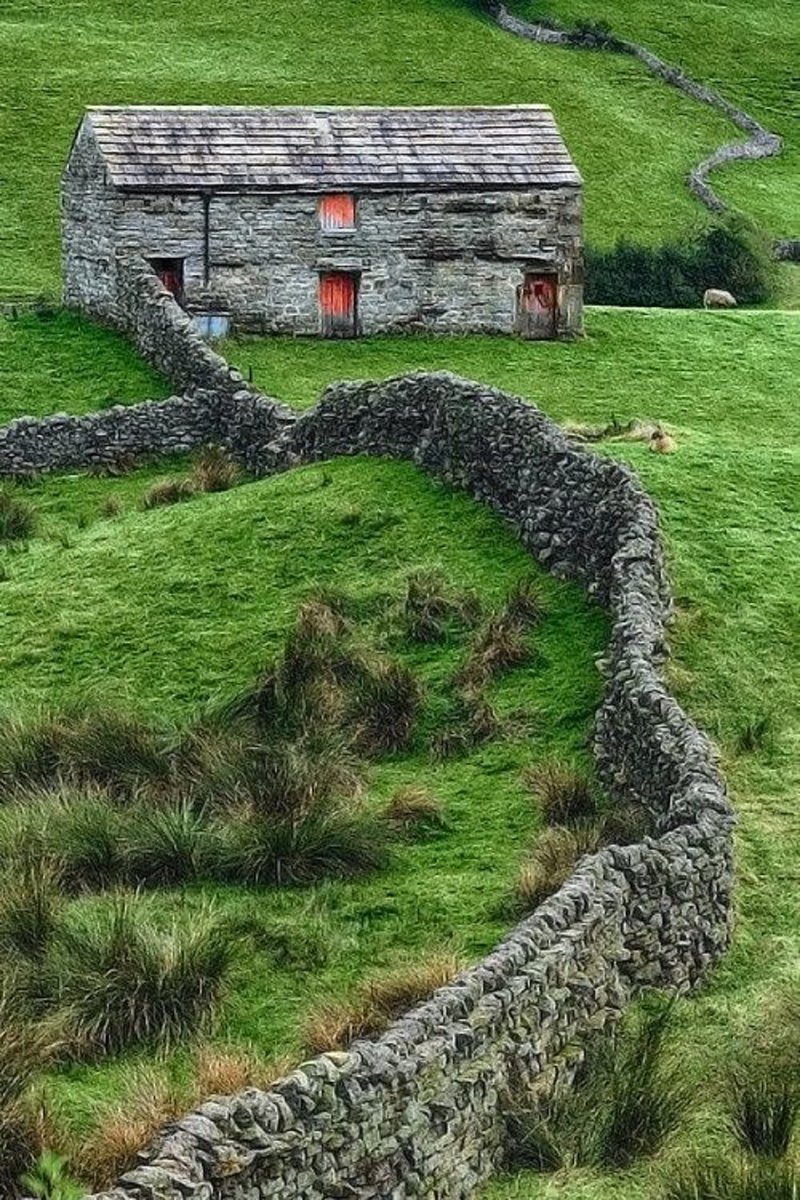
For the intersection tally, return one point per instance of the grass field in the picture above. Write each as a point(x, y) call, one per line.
point(633, 138)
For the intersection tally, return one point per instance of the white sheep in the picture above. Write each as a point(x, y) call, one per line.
point(717, 298)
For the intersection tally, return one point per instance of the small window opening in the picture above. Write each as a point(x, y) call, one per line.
point(170, 272)
point(337, 213)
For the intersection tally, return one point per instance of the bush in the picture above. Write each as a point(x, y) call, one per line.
point(125, 982)
point(763, 1111)
point(214, 470)
point(334, 1024)
point(18, 518)
point(731, 255)
point(563, 793)
point(168, 491)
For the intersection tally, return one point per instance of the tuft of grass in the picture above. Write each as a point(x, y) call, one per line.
point(763, 1110)
point(384, 708)
point(726, 1180)
point(629, 1096)
point(551, 862)
point(414, 811)
point(18, 518)
point(31, 911)
point(49, 1179)
point(333, 1024)
point(430, 607)
point(214, 470)
point(757, 735)
point(563, 794)
point(126, 982)
point(166, 843)
point(168, 491)
point(110, 507)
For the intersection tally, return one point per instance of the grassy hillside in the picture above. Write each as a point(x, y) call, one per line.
point(58, 362)
point(744, 50)
point(633, 138)
point(165, 610)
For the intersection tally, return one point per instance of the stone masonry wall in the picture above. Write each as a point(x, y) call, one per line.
point(418, 1112)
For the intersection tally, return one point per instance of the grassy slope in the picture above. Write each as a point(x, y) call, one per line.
point(168, 608)
point(62, 363)
point(634, 139)
point(745, 51)
point(724, 383)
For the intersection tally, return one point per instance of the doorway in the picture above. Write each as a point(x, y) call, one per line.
point(537, 306)
point(170, 272)
point(338, 304)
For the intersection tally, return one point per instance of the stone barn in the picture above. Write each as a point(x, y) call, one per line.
point(331, 221)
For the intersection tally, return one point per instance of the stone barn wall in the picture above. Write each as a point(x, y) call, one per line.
point(418, 1112)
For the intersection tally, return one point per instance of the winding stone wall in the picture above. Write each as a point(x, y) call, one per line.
point(761, 143)
point(418, 1113)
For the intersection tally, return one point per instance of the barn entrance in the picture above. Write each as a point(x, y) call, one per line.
point(338, 304)
point(170, 272)
point(537, 305)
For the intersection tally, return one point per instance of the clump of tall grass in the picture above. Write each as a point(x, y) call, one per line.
point(18, 518)
point(550, 863)
point(385, 704)
point(334, 1024)
point(473, 721)
point(629, 1097)
point(563, 794)
point(430, 607)
point(126, 982)
point(214, 470)
point(414, 811)
point(83, 744)
point(31, 912)
point(49, 1179)
point(500, 643)
point(728, 1179)
point(763, 1108)
point(168, 491)
point(23, 1050)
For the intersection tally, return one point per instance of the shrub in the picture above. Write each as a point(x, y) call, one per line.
point(168, 491)
point(18, 518)
point(214, 470)
point(563, 793)
point(334, 1024)
point(763, 1111)
point(126, 982)
point(412, 810)
point(731, 255)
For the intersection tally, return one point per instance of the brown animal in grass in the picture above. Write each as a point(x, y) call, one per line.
point(717, 298)
point(662, 443)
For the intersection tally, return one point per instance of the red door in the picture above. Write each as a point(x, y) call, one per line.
point(537, 301)
point(337, 304)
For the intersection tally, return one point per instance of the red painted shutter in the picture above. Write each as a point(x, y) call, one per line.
point(337, 212)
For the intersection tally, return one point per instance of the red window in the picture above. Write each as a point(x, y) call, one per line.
point(337, 212)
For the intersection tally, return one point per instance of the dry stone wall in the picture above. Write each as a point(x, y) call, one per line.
point(418, 1112)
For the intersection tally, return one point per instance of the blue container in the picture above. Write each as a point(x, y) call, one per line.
point(212, 325)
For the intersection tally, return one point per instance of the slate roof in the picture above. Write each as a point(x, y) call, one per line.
point(323, 149)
